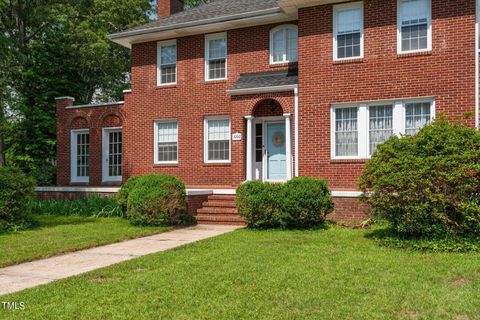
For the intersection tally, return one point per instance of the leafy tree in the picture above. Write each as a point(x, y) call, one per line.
point(52, 48)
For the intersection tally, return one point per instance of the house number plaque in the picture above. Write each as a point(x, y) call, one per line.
point(237, 136)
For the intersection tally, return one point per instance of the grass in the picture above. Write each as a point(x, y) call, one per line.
point(323, 274)
point(54, 235)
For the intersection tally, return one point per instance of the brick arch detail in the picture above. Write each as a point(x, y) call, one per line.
point(105, 122)
point(258, 99)
point(78, 121)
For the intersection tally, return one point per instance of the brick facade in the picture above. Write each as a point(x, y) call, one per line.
point(445, 73)
point(93, 118)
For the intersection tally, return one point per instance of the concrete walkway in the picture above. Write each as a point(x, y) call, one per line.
point(31, 274)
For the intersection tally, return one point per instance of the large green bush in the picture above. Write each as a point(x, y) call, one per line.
point(123, 193)
point(16, 189)
point(427, 185)
point(299, 203)
point(156, 200)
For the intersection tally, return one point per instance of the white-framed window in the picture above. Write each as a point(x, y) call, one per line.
point(167, 62)
point(414, 26)
point(80, 153)
point(112, 154)
point(166, 142)
point(348, 31)
point(216, 56)
point(217, 140)
point(357, 129)
point(284, 44)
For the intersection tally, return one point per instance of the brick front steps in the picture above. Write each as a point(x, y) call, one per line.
point(219, 209)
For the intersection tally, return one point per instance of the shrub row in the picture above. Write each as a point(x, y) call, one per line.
point(300, 203)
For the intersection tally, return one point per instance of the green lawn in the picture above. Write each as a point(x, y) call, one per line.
point(59, 234)
point(324, 274)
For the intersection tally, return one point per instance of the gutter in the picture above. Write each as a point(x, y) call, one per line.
point(252, 14)
point(236, 92)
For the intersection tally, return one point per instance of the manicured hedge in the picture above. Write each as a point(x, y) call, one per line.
point(16, 190)
point(427, 185)
point(155, 200)
point(300, 203)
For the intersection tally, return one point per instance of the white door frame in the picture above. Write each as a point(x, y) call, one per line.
point(264, 120)
point(105, 154)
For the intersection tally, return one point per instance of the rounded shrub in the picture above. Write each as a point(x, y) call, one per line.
point(261, 204)
point(122, 194)
point(156, 200)
point(307, 202)
point(300, 203)
point(427, 185)
point(16, 189)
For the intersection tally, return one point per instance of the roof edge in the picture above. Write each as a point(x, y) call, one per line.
point(239, 16)
point(288, 87)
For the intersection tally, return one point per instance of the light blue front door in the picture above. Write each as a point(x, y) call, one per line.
point(276, 151)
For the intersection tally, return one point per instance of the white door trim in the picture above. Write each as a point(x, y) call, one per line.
point(105, 154)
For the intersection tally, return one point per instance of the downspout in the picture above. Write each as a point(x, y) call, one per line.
point(477, 66)
point(295, 91)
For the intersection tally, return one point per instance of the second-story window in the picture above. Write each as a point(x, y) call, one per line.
point(284, 44)
point(216, 56)
point(167, 62)
point(414, 26)
point(348, 31)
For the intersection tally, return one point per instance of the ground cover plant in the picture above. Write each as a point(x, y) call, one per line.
point(254, 274)
point(87, 206)
point(427, 186)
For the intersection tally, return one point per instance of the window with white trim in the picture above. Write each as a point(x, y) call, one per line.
point(417, 115)
point(217, 140)
point(166, 141)
point(348, 31)
point(284, 44)
point(167, 62)
point(346, 132)
point(414, 25)
point(380, 127)
point(216, 57)
point(80, 145)
point(358, 129)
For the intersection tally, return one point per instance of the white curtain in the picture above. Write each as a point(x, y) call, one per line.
point(380, 124)
point(417, 115)
point(346, 132)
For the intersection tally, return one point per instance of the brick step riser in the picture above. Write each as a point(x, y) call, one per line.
point(219, 197)
point(220, 218)
point(219, 204)
point(213, 210)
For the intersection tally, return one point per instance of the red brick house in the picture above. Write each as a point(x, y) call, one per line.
point(236, 90)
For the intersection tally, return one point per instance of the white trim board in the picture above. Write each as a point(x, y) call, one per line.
point(96, 105)
point(190, 192)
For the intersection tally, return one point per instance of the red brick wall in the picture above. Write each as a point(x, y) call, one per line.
point(92, 118)
point(190, 101)
point(446, 73)
point(195, 202)
point(349, 211)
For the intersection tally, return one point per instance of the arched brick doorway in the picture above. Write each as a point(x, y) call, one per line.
point(269, 142)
